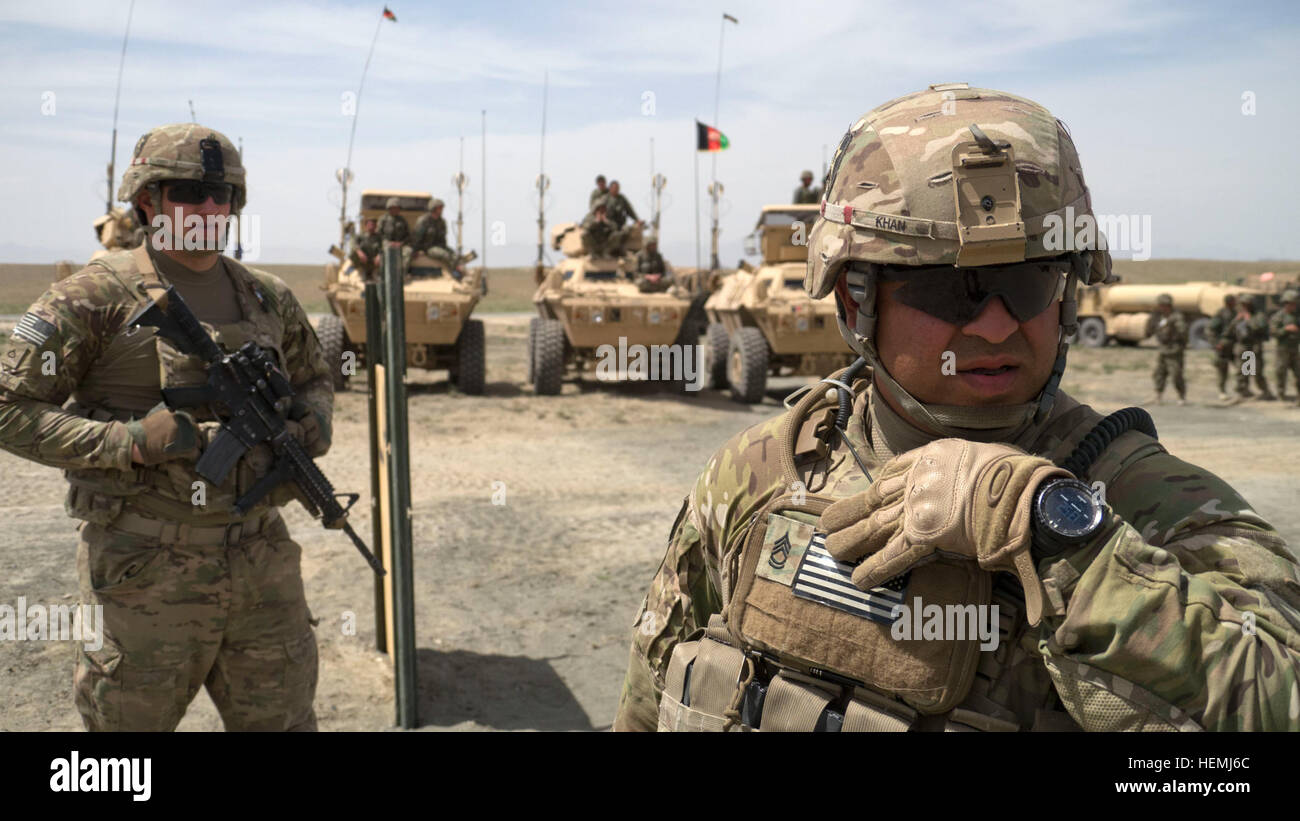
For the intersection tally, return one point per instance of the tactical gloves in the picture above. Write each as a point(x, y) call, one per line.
point(951, 496)
point(164, 435)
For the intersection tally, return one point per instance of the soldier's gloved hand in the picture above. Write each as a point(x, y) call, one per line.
point(163, 435)
point(306, 426)
point(951, 496)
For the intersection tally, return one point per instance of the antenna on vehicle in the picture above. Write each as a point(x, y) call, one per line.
point(542, 183)
point(460, 181)
point(112, 156)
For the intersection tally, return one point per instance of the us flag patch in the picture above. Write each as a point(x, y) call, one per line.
point(33, 329)
point(822, 579)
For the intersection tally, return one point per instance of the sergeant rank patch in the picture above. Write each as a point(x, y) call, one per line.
point(821, 578)
point(31, 328)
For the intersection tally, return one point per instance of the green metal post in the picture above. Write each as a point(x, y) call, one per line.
point(375, 356)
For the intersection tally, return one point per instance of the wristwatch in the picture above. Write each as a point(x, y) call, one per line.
point(1066, 513)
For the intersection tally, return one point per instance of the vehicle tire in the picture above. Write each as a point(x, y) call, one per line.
point(747, 366)
point(548, 357)
point(1092, 332)
point(333, 341)
point(471, 358)
point(532, 348)
point(716, 360)
point(1197, 334)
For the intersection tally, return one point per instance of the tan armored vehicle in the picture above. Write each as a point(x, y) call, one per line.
point(1119, 312)
point(116, 230)
point(762, 322)
point(439, 333)
point(1270, 286)
point(587, 301)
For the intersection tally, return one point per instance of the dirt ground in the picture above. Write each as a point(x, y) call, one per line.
point(524, 610)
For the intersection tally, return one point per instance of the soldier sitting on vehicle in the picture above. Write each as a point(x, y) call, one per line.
point(620, 210)
point(395, 231)
point(807, 193)
point(599, 236)
point(430, 237)
point(599, 191)
point(367, 250)
point(652, 273)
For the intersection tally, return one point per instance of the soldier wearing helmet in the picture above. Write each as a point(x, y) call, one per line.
point(1169, 327)
point(1285, 327)
point(601, 190)
point(943, 472)
point(392, 226)
point(1217, 333)
point(431, 230)
point(1248, 332)
point(192, 593)
point(807, 193)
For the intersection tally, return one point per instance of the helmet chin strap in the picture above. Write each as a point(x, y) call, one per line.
point(1001, 423)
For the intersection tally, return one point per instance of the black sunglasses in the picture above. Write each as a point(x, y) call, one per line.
point(959, 295)
point(193, 192)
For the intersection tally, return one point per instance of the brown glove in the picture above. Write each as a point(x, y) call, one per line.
point(951, 496)
point(306, 426)
point(164, 435)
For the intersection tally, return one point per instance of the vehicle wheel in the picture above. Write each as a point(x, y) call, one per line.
point(747, 365)
point(332, 342)
point(532, 347)
point(1092, 332)
point(548, 357)
point(470, 357)
point(716, 358)
point(1197, 334)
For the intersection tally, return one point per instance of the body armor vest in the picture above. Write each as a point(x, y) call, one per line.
point(141, 359)
point(797, 647)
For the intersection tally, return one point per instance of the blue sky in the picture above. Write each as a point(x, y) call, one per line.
point(1152, 93)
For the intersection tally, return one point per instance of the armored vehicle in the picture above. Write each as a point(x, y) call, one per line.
point(587, 301)
point(439, 300)
point(761, 321)
point(1119, 312)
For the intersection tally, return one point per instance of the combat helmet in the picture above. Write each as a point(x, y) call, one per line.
point(1165, 299)
point(182, 151)
point(953, 176)
point(393, 202)
point(1290, 296)
point(435, 203)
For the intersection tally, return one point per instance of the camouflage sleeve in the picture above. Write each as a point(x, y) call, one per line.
point(1152, 321)
point(44, 359)
point(627, 206)
point(1180, 326)
point(1186, 609)
point(309, 374)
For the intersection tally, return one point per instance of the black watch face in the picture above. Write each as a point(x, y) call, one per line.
point(1069, 510)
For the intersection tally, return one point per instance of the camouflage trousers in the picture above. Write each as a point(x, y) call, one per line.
point(178, 616)
point(1167, 364)
point(1288, 360)
point(1222, 363)
point(1243, 378)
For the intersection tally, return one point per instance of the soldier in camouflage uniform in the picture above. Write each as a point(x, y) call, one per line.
point(368, 250)
point(1170, 330)
point(1285, 327)
point(807, 193)
point(599, 191)
point(393, 227)
point(430, 229)
point(1178, 607)
point(651, 271)
point(619, 209)
point(193, 595)
point(1248, 332)
point(599, 236)
point(1216, 333)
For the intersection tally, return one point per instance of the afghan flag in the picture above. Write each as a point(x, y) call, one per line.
point(388, 15)
point(708, 138)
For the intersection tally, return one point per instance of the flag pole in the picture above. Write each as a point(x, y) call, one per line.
point(697, 201)
point(112, 156)
point(714, 189)
point(347, 169)
point(483, 183)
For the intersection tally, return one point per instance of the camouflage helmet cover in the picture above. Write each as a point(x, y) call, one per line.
point(183, 151)
point(892, 196)
point(601, 202)
point(1165, 299)
point(393, 202)
point(806, 175)
point(1290, 296)
point(435, 203)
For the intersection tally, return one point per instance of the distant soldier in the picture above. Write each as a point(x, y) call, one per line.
point(393, 227)
point(367, 250)
point(599, 236)
point(651, 272)
point(1170, 330)
point(620, 210)
point(1217, 334)
point(1249, 332)
point(599, 191)
point(807, 193)
point(1285, 327)
point(430, 230)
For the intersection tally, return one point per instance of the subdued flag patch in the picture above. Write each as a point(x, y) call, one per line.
point(33, 329)
point(822, 579)
point(708, 138)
